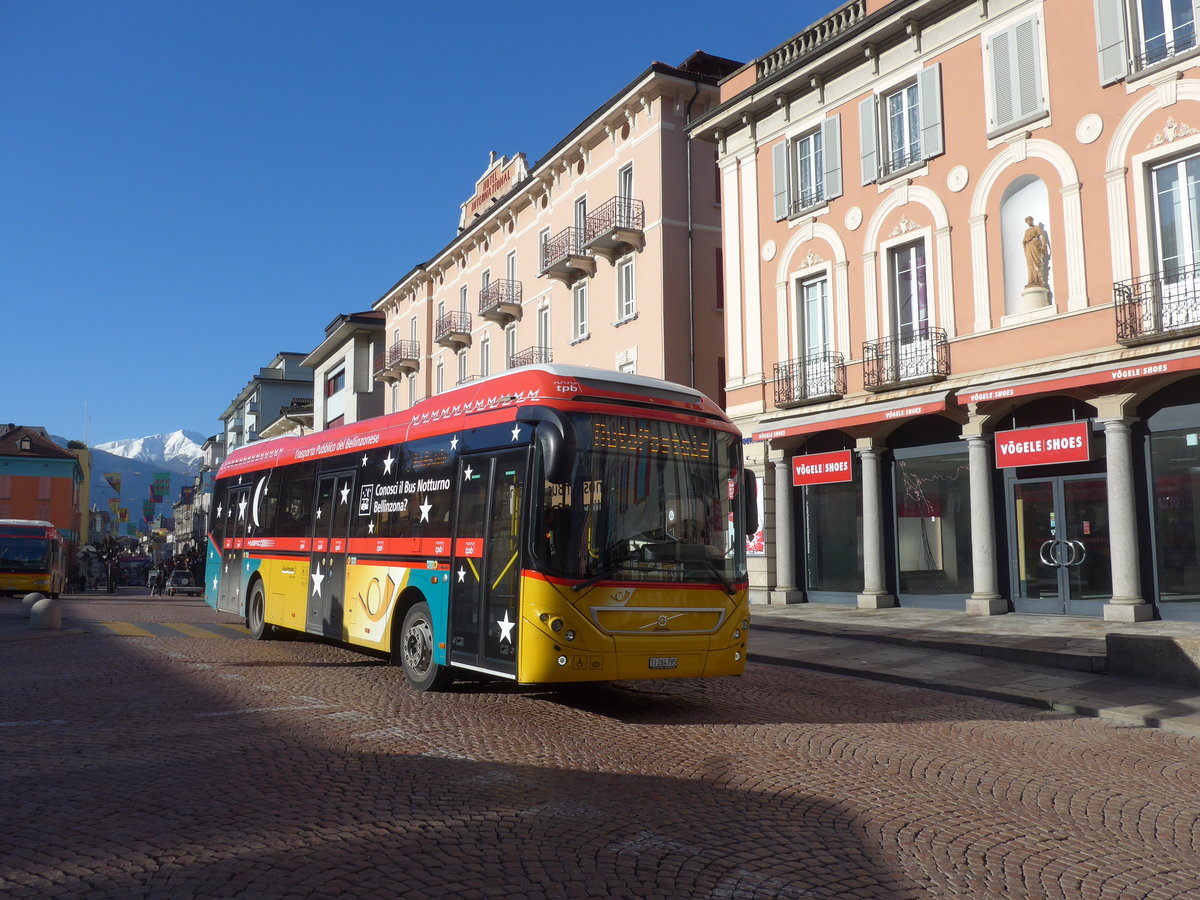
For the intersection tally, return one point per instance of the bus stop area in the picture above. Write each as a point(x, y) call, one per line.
point(1146, 674)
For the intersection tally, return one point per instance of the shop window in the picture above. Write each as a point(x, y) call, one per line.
point(833, 555)
point(933, 523)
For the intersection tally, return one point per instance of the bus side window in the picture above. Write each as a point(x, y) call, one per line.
point(295, 501)
point(269, 503)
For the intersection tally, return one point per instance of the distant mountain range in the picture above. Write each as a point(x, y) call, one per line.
point(178, 451)
point(132, 465)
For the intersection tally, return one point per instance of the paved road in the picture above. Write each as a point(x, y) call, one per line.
point(179, 766)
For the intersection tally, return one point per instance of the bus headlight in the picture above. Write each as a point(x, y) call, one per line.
point(737, 656)
point(570, 635)
point(736, 633)
point(556, 624)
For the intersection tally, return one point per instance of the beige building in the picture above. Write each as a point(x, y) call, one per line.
point(961, 248)
point(605, 252)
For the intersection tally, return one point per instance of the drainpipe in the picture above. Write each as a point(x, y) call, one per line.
point(691, 277)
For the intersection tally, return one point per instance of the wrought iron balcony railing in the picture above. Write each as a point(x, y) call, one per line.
point(400, 353)
point(1160, 305)
point(817, 376)
point(892, 161)
point(567, 243)
point(809, 199)
point(501, 300)
point(1157, 51)
point(453, 328)
point(623, 213)
point(531, 356)
point(917, 354)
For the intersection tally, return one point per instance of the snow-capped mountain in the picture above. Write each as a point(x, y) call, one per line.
point(178, 451)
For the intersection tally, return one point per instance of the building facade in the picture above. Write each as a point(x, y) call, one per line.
point(258, 404)
point(605, 252)
point(961, 249)
point(41, 480)
point(343, 367)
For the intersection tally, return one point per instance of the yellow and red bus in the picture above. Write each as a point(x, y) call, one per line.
point(32, 558)
point(550, 524)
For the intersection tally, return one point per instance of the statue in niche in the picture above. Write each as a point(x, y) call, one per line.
point(1037, 252)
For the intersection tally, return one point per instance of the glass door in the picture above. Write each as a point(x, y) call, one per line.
point(1061, 555)
point(485, 572)
point(327, 567)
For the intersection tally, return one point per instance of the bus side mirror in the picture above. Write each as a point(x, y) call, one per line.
point(556, 435)
point(750, 502)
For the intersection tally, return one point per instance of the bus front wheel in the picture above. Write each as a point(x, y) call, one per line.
point(256, 613)
point(414, 647)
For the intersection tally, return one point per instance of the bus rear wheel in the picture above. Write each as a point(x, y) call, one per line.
point(414, 647)
point(256, 613)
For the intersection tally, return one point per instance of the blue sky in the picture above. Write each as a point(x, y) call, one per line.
point(187, 189)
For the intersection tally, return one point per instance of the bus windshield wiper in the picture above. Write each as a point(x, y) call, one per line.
point(725, 582)
point(615, 561)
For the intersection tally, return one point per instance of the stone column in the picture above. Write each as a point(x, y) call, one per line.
point(1127, 604)
point(874, 594)
point(785, 557)
point(986, 599)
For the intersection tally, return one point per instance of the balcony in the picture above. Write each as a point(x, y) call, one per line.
point(1160, 50)
point(807, 200)
point(531, 356)
point(564, 257)
point(818, 376)
point(617, 227)
point(453, 330)
point(917, 355)
point(1160, 306)
point(402, 358)
point(500, 301)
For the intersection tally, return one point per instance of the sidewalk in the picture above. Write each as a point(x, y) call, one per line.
point(1049, 662)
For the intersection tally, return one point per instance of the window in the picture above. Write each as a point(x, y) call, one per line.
point(910, 294)
point(510, 266)
point(335, 383)
point(485, 357)
point(903, 127)
point(486, 280)
point(626, 298)
point(1171, 303)
point(814, 315)
point(462, 367)
point(625, 182)
point(808, 169)
point(1137, 34)
point(412, 390)
point(579, 310)
point(543, 240)
point(510, 344)
point(462, 295)
point(1016, 75)
point(439, 382)
point(441, 309)
point(412, 329)
point(543, 326)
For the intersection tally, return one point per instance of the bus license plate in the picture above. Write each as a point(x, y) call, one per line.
point(664, 662)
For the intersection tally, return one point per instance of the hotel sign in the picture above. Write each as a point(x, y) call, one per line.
point(1050, 445)
point(821, 468)
point(501, 176)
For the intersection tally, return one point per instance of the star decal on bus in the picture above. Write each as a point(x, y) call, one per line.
point(468, 472)
point(462, 575)
point(242, 508)
point(425, 508)
point(387, 463)
point(346, 492)
point(317, 578)
point(516, 432)
point(506, 628)
point(454, 442)
point(364, 461)
point(371, 527)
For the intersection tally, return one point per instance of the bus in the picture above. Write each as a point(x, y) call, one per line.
point(548, 524)
point(32, 558)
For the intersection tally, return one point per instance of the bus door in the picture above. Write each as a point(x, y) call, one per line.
point(230, 532)
point(327, 566)
point(485, 568)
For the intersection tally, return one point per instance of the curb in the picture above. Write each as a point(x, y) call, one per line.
point(1036, 701)
point(40, 633)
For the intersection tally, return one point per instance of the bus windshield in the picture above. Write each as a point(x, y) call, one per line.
point(647, 500)
point(24, 553)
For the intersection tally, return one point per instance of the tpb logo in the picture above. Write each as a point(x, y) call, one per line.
point(364, 499)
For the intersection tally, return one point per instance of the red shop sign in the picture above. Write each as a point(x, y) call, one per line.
point(821, 468)
point(1049, 445)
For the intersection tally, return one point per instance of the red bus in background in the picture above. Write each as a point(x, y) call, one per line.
point(32, 558)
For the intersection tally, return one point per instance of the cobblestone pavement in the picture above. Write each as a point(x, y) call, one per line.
point(170, 766)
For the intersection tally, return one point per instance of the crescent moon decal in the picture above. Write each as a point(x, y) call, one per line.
point(258, 489)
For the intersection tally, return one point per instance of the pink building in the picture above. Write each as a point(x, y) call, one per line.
point(962, 304)
point(605, 252)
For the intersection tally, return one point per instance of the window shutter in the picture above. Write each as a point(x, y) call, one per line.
point(1028, 94)
point(831, 150)
point(929, 87)
point(779, 165)
point(1002, 76)
point(1111, 40)
point(868, 145)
